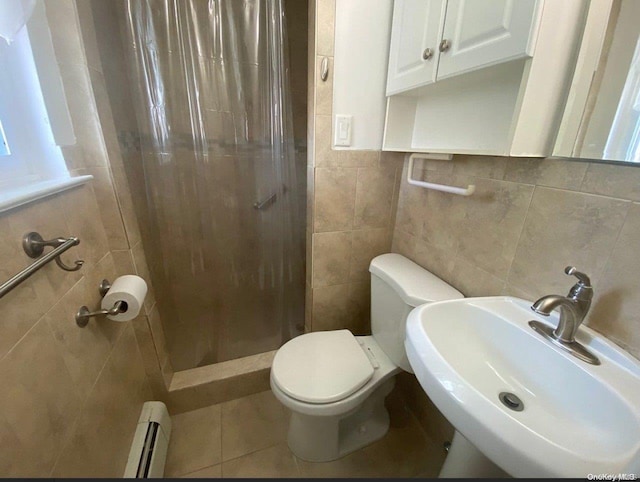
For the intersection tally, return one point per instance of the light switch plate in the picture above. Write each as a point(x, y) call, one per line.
point(343, 130)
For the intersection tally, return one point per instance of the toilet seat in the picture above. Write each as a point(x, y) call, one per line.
point(321, 367)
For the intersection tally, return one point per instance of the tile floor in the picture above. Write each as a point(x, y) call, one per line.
point(247, 437)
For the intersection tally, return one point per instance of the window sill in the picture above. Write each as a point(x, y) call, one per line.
point(22, 195)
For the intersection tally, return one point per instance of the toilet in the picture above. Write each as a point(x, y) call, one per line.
point(335, 383)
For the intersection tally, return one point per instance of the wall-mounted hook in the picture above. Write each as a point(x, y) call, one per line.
point(34, 245)
point(324, 69)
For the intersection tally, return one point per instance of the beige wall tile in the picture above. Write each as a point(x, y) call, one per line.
point(308, 305)
point(411, 206)
point(195, 441)
point(276, 461)
point(366, 245)
point(565, 228)
point(374, 197)
point(471, 280)
point(616, 306)
point(444, 216)
point(394, 160)
point(323, 155)
point(109, 209)
point(123, 262)
point(157, 332)
point(85, 350)
point(349, 158)
point(325, 26)
point(126, 206)
point(324, 89)
point(148, 353)
point(492, 223)
point(24, 305)
point(404, 244)
point(213, 472)
point(89, 41)
point(341, 306)
point(100, 443)
point(438, 261)
point(360, 299)
point(63, 24)
point(308, 255)
point(331, 308)
point(37, 407)
point(73, 157)
point(480, 166)
point(546, 172)
point(142, 270)
point(510, 290)
point(331, 258)
point(252, 423)
point(612, 180)
point(335, 193)
point(84, 116)
point(83, 219)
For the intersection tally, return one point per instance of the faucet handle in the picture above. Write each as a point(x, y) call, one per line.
point(583, 278)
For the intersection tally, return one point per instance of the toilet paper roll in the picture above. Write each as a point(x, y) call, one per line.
point(128, 288)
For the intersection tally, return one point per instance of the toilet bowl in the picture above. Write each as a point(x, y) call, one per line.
point(335, 383)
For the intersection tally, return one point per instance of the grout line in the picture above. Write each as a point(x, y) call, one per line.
point(615, 245)
point(526, 217)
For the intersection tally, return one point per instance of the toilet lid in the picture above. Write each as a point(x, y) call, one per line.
point(321, 367)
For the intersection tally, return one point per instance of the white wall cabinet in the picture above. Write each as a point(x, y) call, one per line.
point(413, 55)
point(478, 34)
point(497, 85)
point(435, 39)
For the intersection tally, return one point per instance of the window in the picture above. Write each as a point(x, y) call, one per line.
point(34, 118)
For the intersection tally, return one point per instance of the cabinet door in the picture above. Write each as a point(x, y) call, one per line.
point(416, 27)
point(487, 32)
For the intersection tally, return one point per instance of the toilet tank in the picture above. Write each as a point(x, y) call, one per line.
point(397, 286)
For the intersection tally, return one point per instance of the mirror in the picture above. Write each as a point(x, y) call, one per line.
point(602, 114)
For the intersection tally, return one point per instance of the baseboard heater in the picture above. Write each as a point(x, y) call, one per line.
point(150, 442)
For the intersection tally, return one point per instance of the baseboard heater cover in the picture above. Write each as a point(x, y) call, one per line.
point(149, 447)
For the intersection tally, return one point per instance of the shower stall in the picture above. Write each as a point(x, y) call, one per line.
point(209, 99)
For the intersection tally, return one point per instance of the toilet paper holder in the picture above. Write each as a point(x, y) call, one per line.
point(83, 314)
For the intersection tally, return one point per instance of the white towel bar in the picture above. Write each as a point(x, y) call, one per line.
point(461, 191)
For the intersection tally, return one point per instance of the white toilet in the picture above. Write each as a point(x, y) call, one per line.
point(335, 383)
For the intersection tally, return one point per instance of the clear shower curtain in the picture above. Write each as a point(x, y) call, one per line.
point(225, 221)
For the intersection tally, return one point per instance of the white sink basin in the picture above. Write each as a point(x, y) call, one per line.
point(578, 419)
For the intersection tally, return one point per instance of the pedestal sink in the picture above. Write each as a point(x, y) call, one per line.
point(526, 405)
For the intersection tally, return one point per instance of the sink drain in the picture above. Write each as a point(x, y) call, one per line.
point(511, 401)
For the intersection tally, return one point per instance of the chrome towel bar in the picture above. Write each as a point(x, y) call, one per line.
point(34, 245)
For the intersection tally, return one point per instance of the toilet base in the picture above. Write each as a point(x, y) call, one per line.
point(326, 438)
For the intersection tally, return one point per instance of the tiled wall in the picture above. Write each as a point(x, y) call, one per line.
point(351, 200)
point(528, 219)
point(70, 396)
point(128, 251)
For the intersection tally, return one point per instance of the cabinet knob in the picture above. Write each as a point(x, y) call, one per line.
point(445, 45)
point(427, 54)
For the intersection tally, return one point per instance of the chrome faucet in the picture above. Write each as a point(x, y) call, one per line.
point(573, 310)
point(573, 307)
